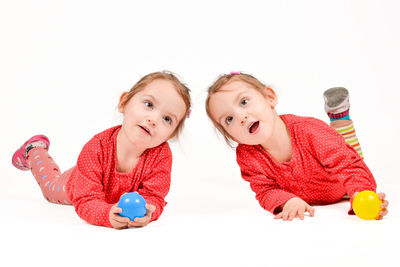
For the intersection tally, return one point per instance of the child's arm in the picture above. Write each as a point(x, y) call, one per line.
point(338, 158)
point(268, 193)
point(87, 192)
point(155, 187)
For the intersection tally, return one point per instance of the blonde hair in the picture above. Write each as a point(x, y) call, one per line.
point(216, 87)
point(180, 87)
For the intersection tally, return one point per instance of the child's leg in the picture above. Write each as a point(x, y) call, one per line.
point(32, 155)
point(337, 107)
point(48, 175)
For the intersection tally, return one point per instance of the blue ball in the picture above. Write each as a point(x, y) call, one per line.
point(133, 205)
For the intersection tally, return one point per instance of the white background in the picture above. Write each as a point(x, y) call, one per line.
point(64, 64)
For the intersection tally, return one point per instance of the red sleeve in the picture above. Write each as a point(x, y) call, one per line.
point(88, 192)
point(338, 158)
point(155, 186)
point(268, 192)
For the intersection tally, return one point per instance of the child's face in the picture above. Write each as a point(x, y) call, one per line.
point(152, 115)
point(245, 113)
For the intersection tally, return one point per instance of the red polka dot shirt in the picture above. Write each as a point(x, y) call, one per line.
point(95, 184)
point(323, 167)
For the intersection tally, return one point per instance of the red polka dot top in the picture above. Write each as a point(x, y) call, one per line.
point(323, 167)
point(95, 184)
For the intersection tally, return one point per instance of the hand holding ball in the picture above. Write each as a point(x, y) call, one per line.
point(367, 205)
point(133, 205)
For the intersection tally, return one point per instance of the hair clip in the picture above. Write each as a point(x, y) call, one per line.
point(235, 72)
point(188, 114)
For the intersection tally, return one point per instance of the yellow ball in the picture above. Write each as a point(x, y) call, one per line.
point(367, 205)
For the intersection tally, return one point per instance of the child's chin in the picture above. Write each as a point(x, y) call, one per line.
point(250, 143)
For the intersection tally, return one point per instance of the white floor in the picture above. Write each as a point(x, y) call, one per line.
point(208, 224)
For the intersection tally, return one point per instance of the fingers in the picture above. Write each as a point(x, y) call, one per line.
point(119, 222)
point(119, 226)
point(292, 214)
point(120, 219)
point(289, 214)
point(143, 221)
point(301, 212)
point(140, 221)
point(114, 215)
point(115, 209)
point(382, 213)
point(150, 208)
point(310, 210)
point(384, 204)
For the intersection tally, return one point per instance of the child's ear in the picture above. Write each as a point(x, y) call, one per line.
point(121, 100)
point(271, 96)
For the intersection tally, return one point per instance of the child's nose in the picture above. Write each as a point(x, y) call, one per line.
point(151, 122)
point(243, 120)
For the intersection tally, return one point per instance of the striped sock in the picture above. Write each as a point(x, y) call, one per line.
point(339, 116)
point(337, 107)
point(346, 129)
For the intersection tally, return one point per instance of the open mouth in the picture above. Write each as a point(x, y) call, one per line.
point(147, 131)
point(253, 127)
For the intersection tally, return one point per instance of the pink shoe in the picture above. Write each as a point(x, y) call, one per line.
point(19, 157)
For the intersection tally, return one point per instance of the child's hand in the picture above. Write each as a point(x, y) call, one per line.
point(295, 207)
point(118, 222)
point(143, 221)
point(384, 206)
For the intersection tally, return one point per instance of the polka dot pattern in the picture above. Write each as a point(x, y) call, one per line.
point(323, 167)
point(95, 184)
point(48, 176)
point(98, 185)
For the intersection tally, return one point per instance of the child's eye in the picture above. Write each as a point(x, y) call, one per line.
point(228, 119)
point(168, 119)
point(148, 104)
point(244, 102)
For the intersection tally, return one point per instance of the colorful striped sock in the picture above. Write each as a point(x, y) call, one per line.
point(339, 116)
point(337, 106)
point(346, 129)
point(337, 103)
